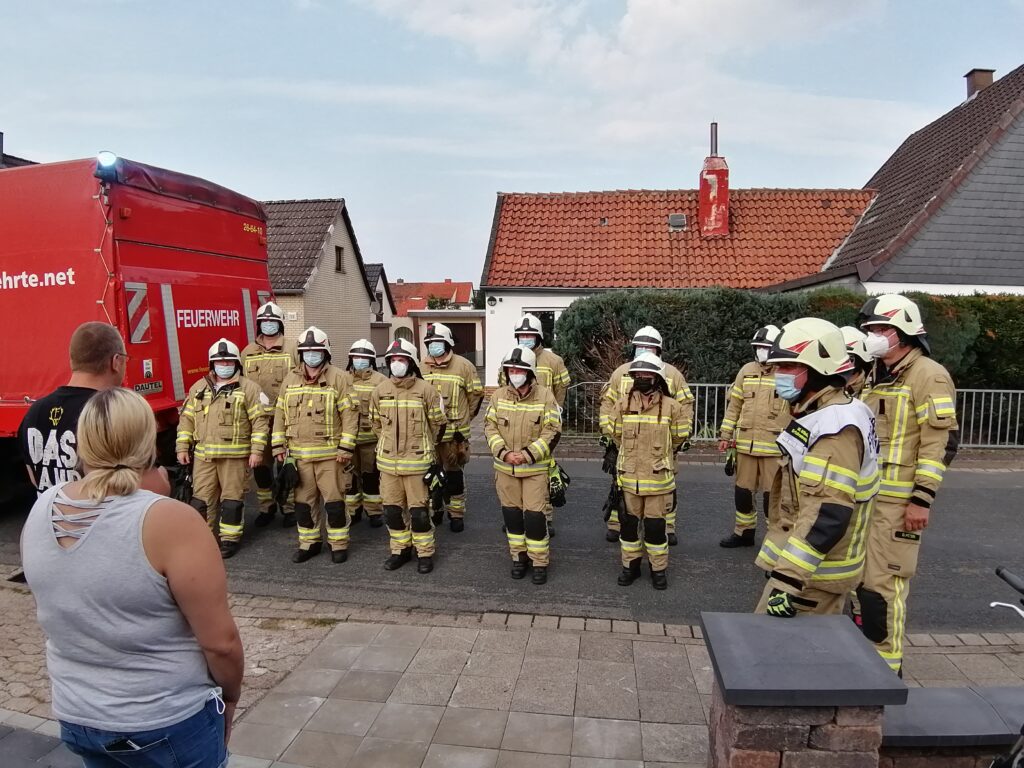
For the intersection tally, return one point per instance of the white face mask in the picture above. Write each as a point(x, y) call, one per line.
point(876, 344)
point(761, 353)
point(517, 379)
point(270, 328)
point(360, 363)
point(224, 370)
point(399, 368)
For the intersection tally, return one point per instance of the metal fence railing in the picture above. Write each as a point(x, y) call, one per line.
point(988, 418)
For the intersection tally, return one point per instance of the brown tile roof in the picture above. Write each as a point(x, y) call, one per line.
point(409, 296)
point(622, 238)
point(296, 230)
point(924, 166)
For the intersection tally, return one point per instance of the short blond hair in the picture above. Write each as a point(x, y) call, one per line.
point(116, 441)
point(93, 345)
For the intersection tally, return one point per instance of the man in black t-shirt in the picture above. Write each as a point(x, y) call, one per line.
point(46, 436)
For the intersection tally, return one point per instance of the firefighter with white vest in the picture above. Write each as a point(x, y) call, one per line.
point(407, 416)
point(457, 381)
point(755, 415)
point(649, 426)
point(267, 361)
point(862, 360)
point(913, 399)
point(814, 550)
point(223, 423)
point(647, 340)
point(364, 494)
point(315, 426)
point(522, 424)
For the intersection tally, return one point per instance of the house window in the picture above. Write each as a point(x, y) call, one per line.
point(403, 334)
point(339, 259)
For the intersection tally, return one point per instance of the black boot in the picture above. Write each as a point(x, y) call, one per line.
point(424, 564)
point(229, 549)
point(732, 540)
point(672, 540)
point(540, 574)
point(611, 535)
point(629, 573)
point(658, 579)
point(339, 555)
point(376, 521)
point(357, 516)
point(457, 524)
point(437, 517)
point(519, 566)
point(264, 517)
point(397, 561)
point(288, 520)
point(302, 555)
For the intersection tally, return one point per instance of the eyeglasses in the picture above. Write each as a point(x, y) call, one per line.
point(126, 356)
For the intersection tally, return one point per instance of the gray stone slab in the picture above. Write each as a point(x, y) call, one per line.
point(398, 636)
point(671, 707)
point(527, 732)
point(332, 657)
point(608, 647)
point(466, 727)
point(311, 682)
point(26, 745)
point(607, 701)
point(1007, 702)
point(352, 634)
point(364, 685)
point(321, 750)
point(612, 739)
point(62, 757)
point(348, 718)
point(828, 662)
point(604, 762)
point(483, 692)
point(384, 659)
point(408, 722)
point(447, 756)
point(438, 661)
point(501, 641)
point(388, 753)
point(675, 743)
point(451, 638)
point(424, 689)
point(482, 664)
point(257, 740)
point(545, 695)
point(508, 759)
point(559, 644)
point(945, 717)
point(285, 710)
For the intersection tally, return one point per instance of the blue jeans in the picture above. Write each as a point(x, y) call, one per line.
point(197, 742)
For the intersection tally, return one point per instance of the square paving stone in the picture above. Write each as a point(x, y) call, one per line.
point(447, 756)
point(531, 760)
point(606, 647)
point(466, 727)
point(423, 689)
point(311, 682)
point(406, 722)
point(550, 696)
point(385, 659)
point(607, 701)
point(558, 644)
point(501, 641)
point(593, 672)
point(451, 638)
point(235, 761)
point(352, 634)
point(984, 668)
point(671, 707)
point(258, 740)
point(341, 716)
point(602, 762)
point(481, 664)
point(700, 667)
point(62, 757)
point(674, 743)
point(617, 739)
point(528, 732)
point(543, 667)
point(399, 636)
point(664, 674)
point(438, 661)
point(322, 750)
point(362, 685)
point(389, 753)
point(483, 692)
point(332, 657)
point(933, 666)
point(284, 709)
point(26, 745)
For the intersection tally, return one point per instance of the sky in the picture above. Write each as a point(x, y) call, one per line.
point(418, 112)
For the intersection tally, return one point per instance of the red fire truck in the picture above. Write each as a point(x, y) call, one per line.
point(174, 261)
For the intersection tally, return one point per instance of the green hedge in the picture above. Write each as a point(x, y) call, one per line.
point(980, 339)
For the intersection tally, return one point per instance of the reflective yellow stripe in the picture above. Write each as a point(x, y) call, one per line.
point(769, 552)
point(802, 554)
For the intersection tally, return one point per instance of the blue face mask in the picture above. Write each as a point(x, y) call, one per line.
point(785, 385)
point(313, 359)
point(360, 363)
point(435, 348)
point(529, 342)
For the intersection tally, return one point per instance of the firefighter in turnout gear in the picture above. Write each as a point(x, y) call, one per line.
point(522, 424)
point(224, 424)
point(456, 380)
point(814, 549)
point(862, 360)
point(551, 373)
point(408, 418)
point(649, 426)
point(364, 494)
point(755, 415)
point(267, 361)
point(646, 340)
point(913, 400)
point(315, 426)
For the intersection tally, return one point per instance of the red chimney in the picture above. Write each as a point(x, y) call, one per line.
point(713, 209)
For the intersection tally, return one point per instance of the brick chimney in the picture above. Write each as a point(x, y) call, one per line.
point(713, 198)
point(978, 80)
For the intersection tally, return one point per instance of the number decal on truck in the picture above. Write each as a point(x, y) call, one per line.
point(256, 228)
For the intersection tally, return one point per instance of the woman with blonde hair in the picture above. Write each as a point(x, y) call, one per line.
point(144, 657)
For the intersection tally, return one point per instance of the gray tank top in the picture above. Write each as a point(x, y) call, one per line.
point(120, 654)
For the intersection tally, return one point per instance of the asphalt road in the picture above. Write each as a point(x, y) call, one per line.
point(977, 524)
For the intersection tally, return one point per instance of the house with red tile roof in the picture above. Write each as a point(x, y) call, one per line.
point(547, 250)
point(948, 215)
point(420, 304)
